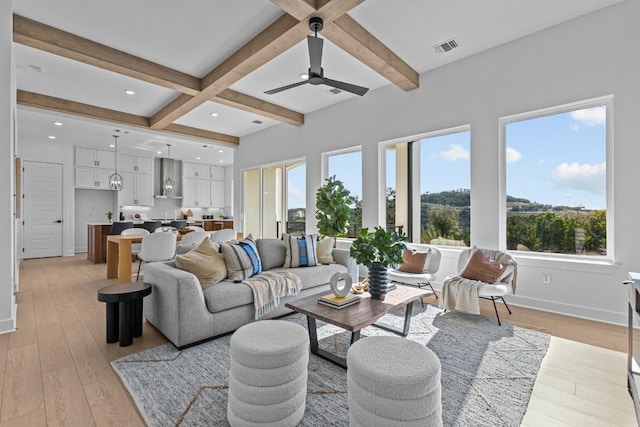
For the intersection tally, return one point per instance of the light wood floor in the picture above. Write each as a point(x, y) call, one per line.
point(54, 370)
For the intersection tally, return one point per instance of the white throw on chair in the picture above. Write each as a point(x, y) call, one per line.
point(422, 276)
point(190, 241)
point(135, 247)
point(195, 228)
point(223, 235)
point(156, 247)
point(484, 273)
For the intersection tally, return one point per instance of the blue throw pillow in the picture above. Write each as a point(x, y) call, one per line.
point(241, 258)
point(300, 250)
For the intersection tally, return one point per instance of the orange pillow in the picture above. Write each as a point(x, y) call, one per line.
point(414, 261)
point(482, 268)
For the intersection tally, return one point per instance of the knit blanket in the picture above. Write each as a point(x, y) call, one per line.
point(269, 286)
point(460, 294)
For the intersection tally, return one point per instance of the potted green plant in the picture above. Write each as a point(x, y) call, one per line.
point(333, 208)
point(377, 250)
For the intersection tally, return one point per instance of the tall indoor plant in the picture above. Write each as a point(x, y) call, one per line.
point(377, 251)
point(333, 208)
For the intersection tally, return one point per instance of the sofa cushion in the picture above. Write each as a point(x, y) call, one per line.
point(204, 262)
point(241, 258)
point(300, 250)
point(272, 252)
point(324, 249)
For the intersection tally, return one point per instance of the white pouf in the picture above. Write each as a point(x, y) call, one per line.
point(392, 381)
point(268, 375)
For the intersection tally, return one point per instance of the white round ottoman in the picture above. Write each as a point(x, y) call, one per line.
point(392, 381)
point(268, 375)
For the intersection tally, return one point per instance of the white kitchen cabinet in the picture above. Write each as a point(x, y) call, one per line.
point(137, 190)
point(217, 194)
point(217, 172)
point(141, 165)
point(93, 178)
point(89, 157)
point(196, 193)
point(196, 170)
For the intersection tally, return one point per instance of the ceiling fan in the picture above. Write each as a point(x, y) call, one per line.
point(316, 72)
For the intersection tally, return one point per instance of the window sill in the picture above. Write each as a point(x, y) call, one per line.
point(566, 262)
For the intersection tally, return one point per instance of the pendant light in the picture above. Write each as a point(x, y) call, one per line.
point(168, 185)
point(115, 180)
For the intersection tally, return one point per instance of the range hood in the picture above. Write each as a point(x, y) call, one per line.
point(169, 168)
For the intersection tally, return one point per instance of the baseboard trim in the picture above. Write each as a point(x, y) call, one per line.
point(9, 325)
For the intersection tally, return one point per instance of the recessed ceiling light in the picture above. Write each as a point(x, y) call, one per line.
point(197, 158)
point(221, 161)
point(214, 114)
point(129, 92)
point(159, 152)
point(57, 123)
point(304, 76)
point(220, 151)
point(52, 137)
point(112, 145)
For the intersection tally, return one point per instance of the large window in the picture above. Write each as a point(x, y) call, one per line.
point(264, 201)
point(556, 180)
point(427, 185)
point(347, 167)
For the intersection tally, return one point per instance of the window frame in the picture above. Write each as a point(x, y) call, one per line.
point(415, 176)
point(281, 163)
point(607, 102)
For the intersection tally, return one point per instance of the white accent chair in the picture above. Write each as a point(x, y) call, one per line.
point(195, 228)
point(135, 247)
point(156, 247)
point(419, 279)
point(505, 285)
point(190, 241)
point(223, 235)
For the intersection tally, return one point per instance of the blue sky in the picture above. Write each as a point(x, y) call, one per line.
point(556, 160)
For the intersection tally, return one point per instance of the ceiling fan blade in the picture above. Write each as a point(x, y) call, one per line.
point(315, 54)
point(358, 90)
point(280, 89)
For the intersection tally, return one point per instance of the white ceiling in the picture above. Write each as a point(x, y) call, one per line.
point(195, 36)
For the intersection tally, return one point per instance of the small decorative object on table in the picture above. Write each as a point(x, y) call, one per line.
point(109, 216)
point(338, 279)
point(377, 251)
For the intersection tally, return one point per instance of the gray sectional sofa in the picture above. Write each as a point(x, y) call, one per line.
point(185, 314)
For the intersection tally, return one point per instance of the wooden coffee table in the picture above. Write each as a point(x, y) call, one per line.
point(356, 317)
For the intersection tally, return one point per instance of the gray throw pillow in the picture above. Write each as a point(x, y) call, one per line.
point(271, 252)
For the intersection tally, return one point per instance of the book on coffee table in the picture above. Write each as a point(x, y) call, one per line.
point(331, 300)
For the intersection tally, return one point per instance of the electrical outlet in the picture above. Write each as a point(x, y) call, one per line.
point(546, 278)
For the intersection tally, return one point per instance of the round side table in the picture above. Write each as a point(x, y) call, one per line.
point(124, 310)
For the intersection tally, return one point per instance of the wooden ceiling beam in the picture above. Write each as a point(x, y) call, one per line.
point(66, 106)
point(352, 37)
point(328, 10)
point(49, 39)
point(232, 98)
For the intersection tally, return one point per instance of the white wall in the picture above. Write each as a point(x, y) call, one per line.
point(591, 56)
point(90, 206)
point(7, 179)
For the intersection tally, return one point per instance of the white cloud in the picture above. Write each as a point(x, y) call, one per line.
point(455, 152)
point(513, 155)
point(585, 177)
point(590, 116)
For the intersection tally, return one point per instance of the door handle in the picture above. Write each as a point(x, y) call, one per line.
point(58, 221)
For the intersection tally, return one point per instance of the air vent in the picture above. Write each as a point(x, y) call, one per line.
point(258, 122)
point(446, 46)
point(335, 91)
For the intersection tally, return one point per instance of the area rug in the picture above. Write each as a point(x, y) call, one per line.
point(488, 372)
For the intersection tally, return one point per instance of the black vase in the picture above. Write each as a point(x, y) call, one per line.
point(378, 281)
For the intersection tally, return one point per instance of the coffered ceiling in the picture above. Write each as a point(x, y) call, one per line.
point(188, 60)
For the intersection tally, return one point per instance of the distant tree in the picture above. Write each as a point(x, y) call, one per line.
point(522, 230)
point(391, 206)
point(595, 226)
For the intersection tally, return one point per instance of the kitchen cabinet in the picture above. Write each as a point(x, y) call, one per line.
point(196, 192)
point(137, 190)
point(217, 172)
point(142, 165)
point(93, 178)
point(196, 170)
point(217, 194)
point(89, 157)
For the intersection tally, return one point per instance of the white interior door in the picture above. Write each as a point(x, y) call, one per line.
point(42, 210)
